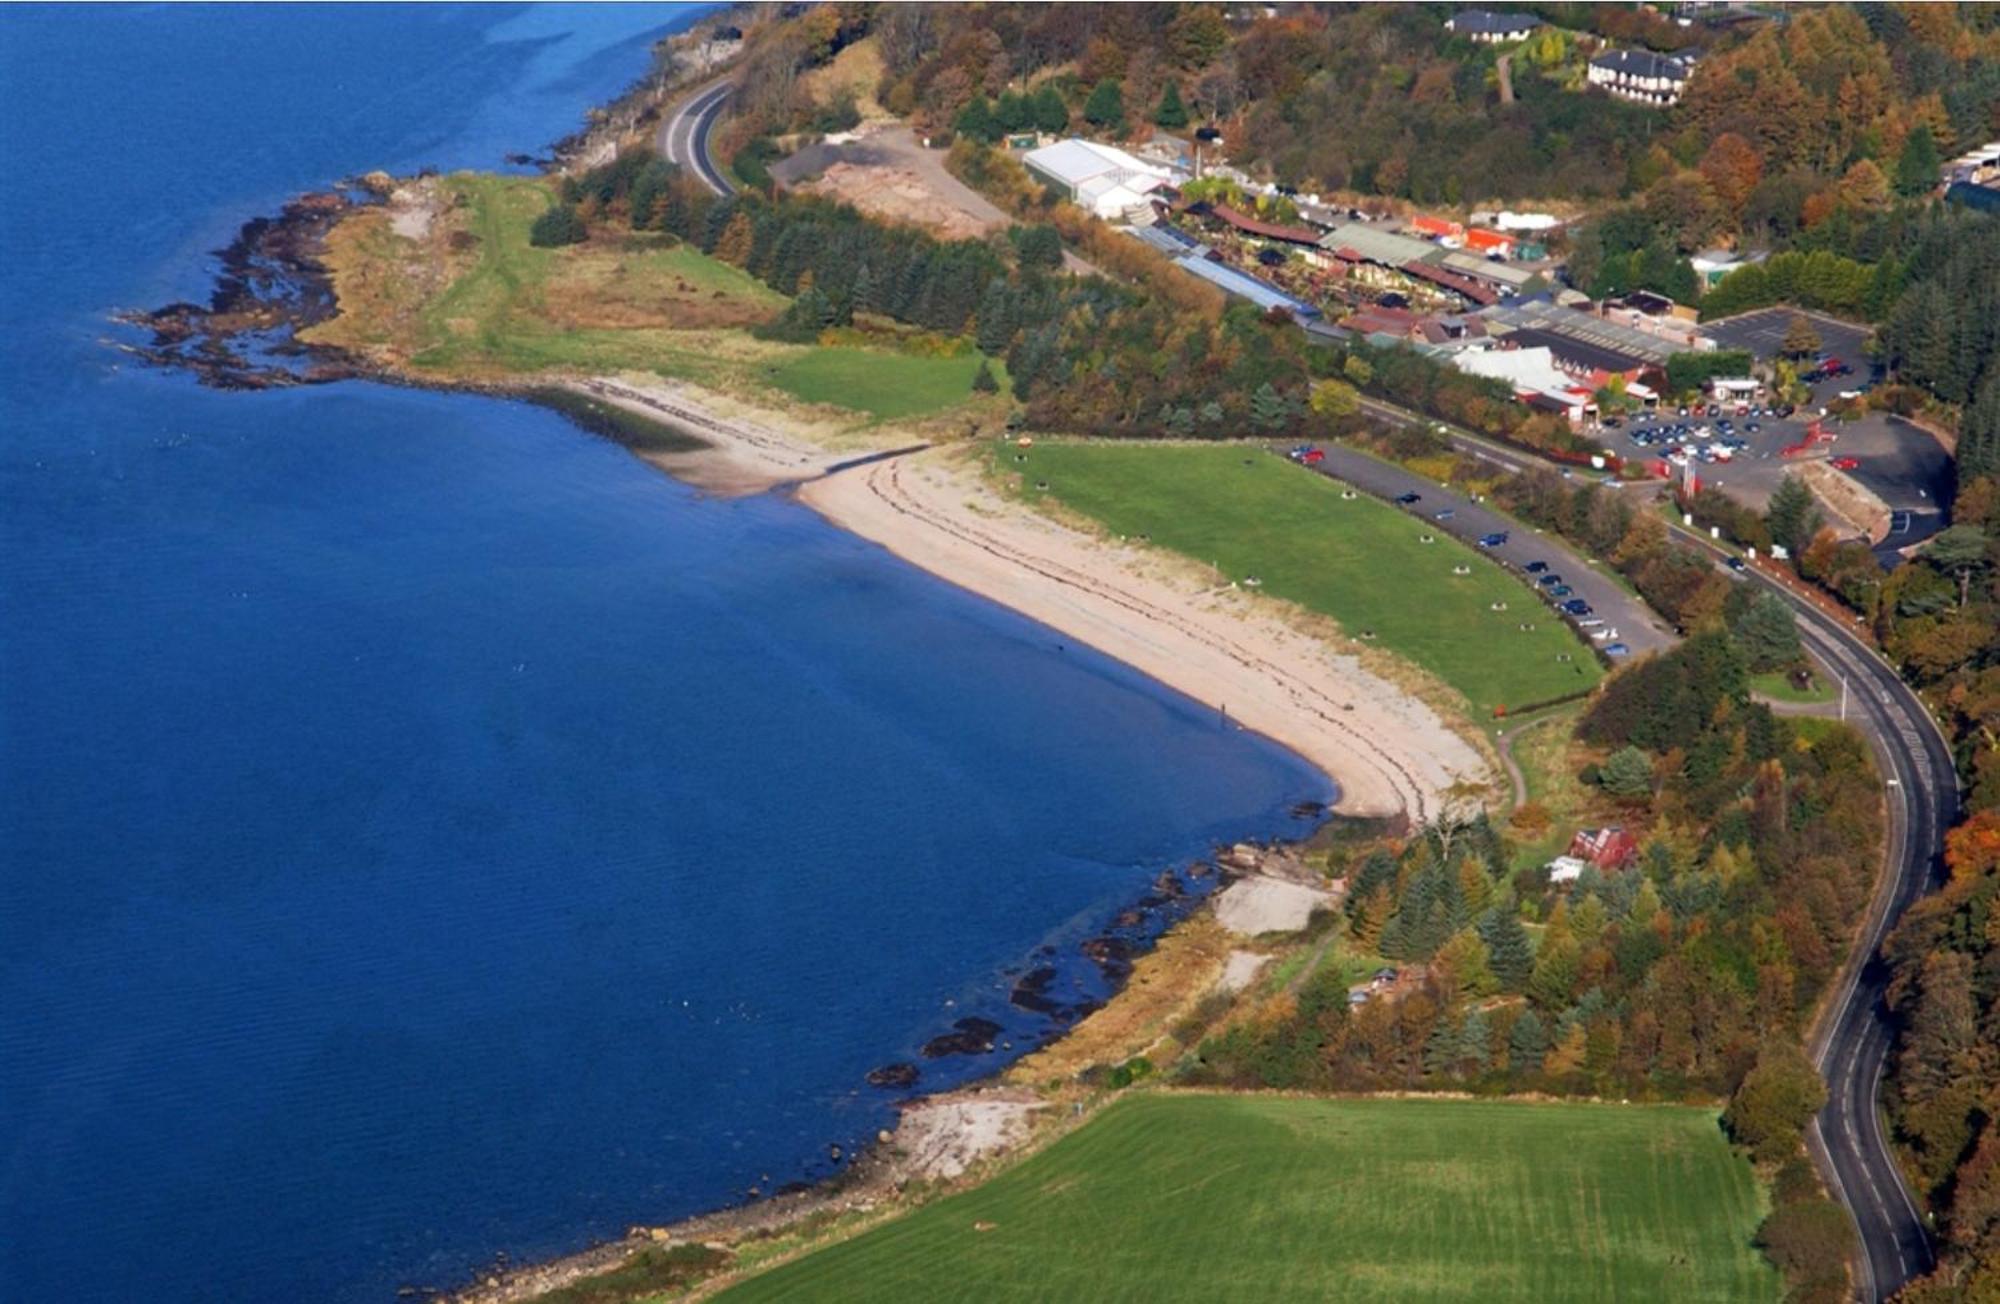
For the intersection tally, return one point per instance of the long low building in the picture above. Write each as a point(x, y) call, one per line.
point(1588, 340)
point(1245, 286)
point(1104, 179)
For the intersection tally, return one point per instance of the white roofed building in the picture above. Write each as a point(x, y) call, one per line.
point(1108, 181)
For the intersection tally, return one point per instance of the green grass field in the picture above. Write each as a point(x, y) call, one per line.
point(888, 386)
point(496, 306)
point(1203, 1198)
point(1357, 560)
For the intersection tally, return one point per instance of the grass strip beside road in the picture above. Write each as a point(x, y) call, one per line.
point(1356, 560)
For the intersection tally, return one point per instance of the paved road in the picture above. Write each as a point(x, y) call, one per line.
point(1852, 1046)
point(1639, 628)
point(684, 135)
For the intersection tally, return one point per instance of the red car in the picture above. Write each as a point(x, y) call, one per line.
point(1846, 463)
point(1313, 456)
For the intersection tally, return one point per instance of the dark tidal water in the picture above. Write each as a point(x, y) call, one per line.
point(426, 831)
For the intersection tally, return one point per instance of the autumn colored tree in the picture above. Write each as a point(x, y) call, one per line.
point(1733, 167)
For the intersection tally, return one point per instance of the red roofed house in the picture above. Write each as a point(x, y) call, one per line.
point(1609, 848)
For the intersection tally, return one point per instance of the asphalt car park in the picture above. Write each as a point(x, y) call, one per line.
point(1900, 462)
point(1763, 333)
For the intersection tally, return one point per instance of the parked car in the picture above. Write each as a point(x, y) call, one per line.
point(1407, 499)
point(1536, 567)
point(1736, 564)
point(1444, 514)
point(1846, 463)
point(1549, 578)
point(1561, 591)
point(1577, 607)
point(1492, 540)
point(1617, 650)
point(1603, 635)
point(1591, 623)
point(1752, 427)
point(1313, 457)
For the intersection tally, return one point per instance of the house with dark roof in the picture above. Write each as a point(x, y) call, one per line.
point(1641, 75)
point(1490, 28)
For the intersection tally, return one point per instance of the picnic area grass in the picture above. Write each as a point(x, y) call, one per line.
point(887, 385)
point(1170, 1197)
point(1358, 560)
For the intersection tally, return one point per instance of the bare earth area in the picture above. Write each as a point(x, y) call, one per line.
point(1251, 906)
point(1390, 753)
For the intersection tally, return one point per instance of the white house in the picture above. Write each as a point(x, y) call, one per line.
point(1641, 75)
point(1489, 28)
point(1565, 869)
point(1104, 179)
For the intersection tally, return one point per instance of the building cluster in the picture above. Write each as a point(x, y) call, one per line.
point(1642, 76)
point(1606, 850)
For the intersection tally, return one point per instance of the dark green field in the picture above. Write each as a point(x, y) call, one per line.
point(1172, 1197)
point(1357, 560)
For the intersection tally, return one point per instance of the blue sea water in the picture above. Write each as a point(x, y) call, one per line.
point(426, 832)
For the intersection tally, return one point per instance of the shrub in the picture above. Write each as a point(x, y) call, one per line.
point(561, 225)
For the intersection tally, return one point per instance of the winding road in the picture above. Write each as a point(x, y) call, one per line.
point(1851, 1042)
point(684, 134)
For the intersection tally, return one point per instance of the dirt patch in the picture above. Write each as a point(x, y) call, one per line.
point(1253, 906)
point(1856, 506)
point(896, 194)
point(1241, 970)
point(887, 173)
point(940, 1138)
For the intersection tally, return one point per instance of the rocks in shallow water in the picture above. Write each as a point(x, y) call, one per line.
point(1032, 992)
point(893, 1075)
point(1242, 857)
point(972, 1037)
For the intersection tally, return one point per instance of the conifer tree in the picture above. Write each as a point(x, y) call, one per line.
point(1508, 950)
point(983, 381)
point(1171, 113)
point(1527, 1043)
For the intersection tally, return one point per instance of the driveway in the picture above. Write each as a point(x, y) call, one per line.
point(1639, 628)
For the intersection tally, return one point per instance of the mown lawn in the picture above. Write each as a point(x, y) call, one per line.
point(1357, 560)
point(1778, 687)
point(1172, 1197)
point(888, 386)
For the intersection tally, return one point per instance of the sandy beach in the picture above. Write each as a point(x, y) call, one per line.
point(1390, 753)
point(746, 454)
